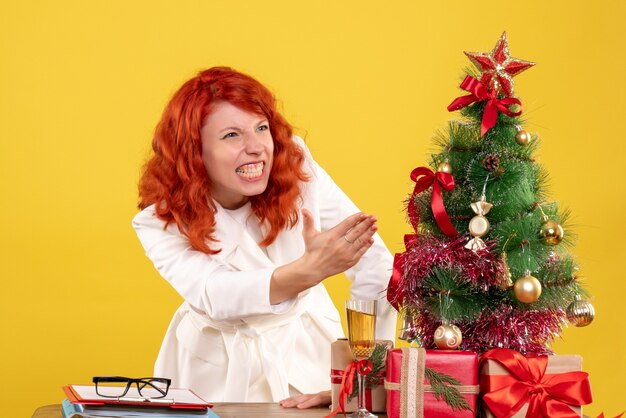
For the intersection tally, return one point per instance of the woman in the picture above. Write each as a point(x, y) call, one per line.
point(243, 223)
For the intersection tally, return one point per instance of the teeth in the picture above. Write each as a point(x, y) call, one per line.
point(250, 170)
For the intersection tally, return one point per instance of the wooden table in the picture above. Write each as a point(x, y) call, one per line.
point(227, 410)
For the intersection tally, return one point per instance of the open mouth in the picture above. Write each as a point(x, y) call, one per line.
point(250, 171)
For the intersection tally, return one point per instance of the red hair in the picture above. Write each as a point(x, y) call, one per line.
point(175, 178)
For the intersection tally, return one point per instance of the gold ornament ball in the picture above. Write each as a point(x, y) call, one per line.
point(445, 167)
point(447, 337)
point(580, 313)
point(523, 137)
point(551, 232)
point(527, 289)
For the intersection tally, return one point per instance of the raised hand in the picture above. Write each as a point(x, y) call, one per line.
point(326, 254)
point(336, 250)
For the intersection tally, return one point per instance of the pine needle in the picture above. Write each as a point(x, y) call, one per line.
point(443, 387)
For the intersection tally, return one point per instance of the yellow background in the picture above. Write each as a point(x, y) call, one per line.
point(82, 85)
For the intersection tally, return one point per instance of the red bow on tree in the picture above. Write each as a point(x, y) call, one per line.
point(424, 178)
point(546, 395)
point(494, 105)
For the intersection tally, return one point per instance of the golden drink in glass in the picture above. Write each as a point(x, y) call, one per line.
point(361, 329)
point(361, 315)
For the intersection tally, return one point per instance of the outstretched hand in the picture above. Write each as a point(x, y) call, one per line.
point(326, 254)
point(341, 247)
point(307, 401)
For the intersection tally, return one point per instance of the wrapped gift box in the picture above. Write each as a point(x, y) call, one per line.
point(340, 356)
point(410, 395)
point(510, 384)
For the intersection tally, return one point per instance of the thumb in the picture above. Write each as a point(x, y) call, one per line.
point(308, 229)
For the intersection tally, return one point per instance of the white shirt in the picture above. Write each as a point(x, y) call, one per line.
point(226, 341)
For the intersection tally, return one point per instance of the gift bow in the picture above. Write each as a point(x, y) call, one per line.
point(362, 367)
point(547, 395)
point(424, 178)
point(480, 93)
point(336, 377)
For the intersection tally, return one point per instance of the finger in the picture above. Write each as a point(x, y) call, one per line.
point(292, 401)
point(308, 228)
point(347, 224)
point(361, 227)
point(313, 401)
point(362, 250)
point(321, 398)
point(296, 401)
point(360, 235)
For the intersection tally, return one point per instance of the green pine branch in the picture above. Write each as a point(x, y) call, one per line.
point(378, 364)
point(444, 387)
point(450, 298)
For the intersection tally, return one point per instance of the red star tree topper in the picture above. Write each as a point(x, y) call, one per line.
point(498, 67)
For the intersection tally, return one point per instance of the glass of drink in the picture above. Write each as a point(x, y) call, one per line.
point(361, 336)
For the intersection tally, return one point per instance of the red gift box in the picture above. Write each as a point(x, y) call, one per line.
point(516, 386)
point(409, 394)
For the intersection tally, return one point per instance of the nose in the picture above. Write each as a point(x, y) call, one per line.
point(253, 144)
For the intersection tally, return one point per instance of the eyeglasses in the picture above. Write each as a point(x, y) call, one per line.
point(118, 386)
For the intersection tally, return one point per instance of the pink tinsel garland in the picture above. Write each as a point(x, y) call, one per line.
point(496, 326)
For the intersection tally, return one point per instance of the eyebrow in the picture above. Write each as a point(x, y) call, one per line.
point(234, 128)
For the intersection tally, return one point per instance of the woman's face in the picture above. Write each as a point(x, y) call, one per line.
point(237, 150)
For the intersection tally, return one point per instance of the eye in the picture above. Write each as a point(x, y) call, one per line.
point(263, 127)
point(230, 135)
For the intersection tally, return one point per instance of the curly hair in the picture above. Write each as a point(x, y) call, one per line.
point(175, 178)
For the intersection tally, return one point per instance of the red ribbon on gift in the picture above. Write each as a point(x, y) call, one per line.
point(336, 376)
point(362, 367)
point(547, 395)
point(424, 178)
point(480, 93)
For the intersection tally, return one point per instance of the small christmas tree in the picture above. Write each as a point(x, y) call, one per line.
point(509, 281)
